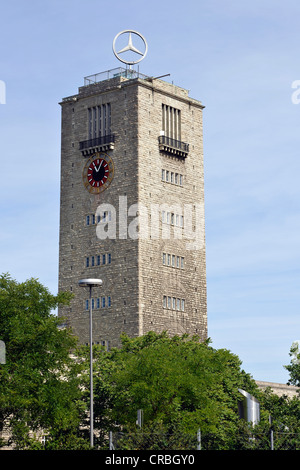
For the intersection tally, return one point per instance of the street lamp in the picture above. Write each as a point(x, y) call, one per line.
point(91, 283)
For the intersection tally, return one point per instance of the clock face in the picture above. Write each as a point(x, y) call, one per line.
point(98, 173)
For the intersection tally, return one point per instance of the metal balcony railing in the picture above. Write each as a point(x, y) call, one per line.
point(172, 145)
point(97, 141)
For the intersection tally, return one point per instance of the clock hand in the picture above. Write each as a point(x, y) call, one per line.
point(99, 166)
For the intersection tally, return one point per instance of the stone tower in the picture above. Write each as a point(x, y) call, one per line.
point(132, 208)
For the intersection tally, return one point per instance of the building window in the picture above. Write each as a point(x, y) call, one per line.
point(109, 301)
point(103, 302)
point(99, 121)
point(171, 177)
point(172, 219)
point(86, 304)
point(87, 262)
point(174, 261)
point(171, 122)
point(173, 303)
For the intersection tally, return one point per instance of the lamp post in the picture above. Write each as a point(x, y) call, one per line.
point(91, 283)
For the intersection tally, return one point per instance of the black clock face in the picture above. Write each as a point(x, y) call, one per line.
point(98, 173)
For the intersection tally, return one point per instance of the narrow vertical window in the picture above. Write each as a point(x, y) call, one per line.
point(87, 220)
point(87, 262)
point(103, 259)
point(98, 260)
point(165, 301)
point(109, 301)
point(94, 122)
point(103, 301)
point(93, 260)
point(108, 119)
point(90, 123)
point(182, 304)
point(109, 258)
point(99, 121)
point(104, 120)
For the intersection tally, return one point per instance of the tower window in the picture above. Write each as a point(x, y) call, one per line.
point(171, 122)
point(99, 121)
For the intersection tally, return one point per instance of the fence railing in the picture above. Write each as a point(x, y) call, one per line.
point(162, 441)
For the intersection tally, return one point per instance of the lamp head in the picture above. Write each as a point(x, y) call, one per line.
point(90, 282)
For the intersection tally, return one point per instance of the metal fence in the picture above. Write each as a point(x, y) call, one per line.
point(190, 442)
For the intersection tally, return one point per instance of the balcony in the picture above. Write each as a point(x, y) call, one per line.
point(173, 146)
point(98, 144)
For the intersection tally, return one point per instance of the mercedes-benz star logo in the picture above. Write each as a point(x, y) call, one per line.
point(130, 47)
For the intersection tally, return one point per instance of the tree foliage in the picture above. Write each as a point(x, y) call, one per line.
point(180, 384)
point(39, 382)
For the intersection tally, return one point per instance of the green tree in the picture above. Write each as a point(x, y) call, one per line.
point(181, 385)
point(39, 383)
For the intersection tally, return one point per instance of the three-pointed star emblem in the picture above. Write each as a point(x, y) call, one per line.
point(130, 47)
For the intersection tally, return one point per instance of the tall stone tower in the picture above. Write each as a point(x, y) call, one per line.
point(132, 208)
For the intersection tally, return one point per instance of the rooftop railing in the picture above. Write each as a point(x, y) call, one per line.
point(129, 74)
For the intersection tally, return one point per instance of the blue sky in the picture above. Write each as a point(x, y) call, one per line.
point(240, 59)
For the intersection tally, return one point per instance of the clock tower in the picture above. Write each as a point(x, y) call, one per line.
point(132, 207)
